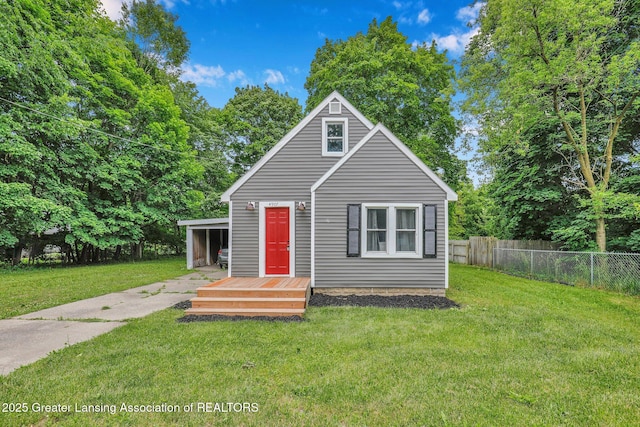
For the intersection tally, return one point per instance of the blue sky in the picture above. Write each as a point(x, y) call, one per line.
point(239, 42)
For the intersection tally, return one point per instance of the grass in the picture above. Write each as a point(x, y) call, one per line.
point(25, 291)
point(518, 352)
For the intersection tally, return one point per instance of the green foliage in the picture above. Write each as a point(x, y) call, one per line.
point(255, 119)
point(473, 214)
point(562, 76)
point(527, 187)
point(156, 39)
point(90, 145)
point(206, 137)
point(408, 89)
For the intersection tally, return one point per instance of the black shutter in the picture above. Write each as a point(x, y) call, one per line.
point(353, 230)
point(430, 238)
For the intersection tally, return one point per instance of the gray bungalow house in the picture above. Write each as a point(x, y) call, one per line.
point(345, 203)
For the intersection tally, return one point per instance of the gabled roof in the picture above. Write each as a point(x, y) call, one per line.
point(226, 196)
point(451, 195)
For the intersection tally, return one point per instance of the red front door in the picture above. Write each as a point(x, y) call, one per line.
point(277, 241)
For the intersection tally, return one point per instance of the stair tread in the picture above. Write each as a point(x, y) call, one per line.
point(216, 288)
point(247, 299)
point(246, 311)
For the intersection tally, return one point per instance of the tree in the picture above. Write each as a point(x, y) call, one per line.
point(157, 42)
point(570, 64)
point(207, 138)
point(32, 78)
point(527, 189)
point(473, 213)
point(407, 88)
point(90, 146)
point(255, 119)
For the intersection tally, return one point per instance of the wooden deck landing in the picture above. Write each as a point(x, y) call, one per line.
point(253, 296)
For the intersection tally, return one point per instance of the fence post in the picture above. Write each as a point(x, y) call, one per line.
point(591, 268)
point(531, 272)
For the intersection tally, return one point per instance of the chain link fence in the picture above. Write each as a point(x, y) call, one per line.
point(614, 271)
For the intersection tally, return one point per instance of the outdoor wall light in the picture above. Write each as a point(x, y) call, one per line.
point(251, 206)
point(301, 206)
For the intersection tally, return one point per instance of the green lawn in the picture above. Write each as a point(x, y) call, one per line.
point(25, 291)
point(518, 352)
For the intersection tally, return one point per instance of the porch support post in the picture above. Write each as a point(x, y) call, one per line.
point(208, 258)
point(189, 248)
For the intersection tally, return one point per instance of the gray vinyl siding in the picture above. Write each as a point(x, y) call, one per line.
point(378, 173)
point(288, 176)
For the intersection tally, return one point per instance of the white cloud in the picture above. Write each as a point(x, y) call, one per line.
point(273, 77)
point(469, 13)
point(456, 42)
point(238, 76)
point(424, 17)
point(112, 7)
point(169, 4)
point(202, 74)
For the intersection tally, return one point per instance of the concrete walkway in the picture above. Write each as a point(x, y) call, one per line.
point(27, 338)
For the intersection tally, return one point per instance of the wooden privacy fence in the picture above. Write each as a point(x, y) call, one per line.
point(479, 250)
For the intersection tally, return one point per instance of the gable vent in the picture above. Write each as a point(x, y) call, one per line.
point(335, 107)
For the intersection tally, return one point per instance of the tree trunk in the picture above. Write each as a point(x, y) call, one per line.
point(601, 234)
point(137, 250)
point(16, 256)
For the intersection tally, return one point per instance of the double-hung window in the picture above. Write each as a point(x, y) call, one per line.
point(406, 230)
point(391, 230)
point(335, 140)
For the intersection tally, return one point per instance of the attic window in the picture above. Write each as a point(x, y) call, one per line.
point(335, 107)
point(335, 137)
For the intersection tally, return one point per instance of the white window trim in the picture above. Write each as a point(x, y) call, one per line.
point(345, 136)
point(230, 241)
point(335, 107)
point(391, 230)
point(262, 229)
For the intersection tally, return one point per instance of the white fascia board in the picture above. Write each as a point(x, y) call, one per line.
point(451, 195)
point(313, 239)
point(226, 196)
point(446, 245)
point(210, 221)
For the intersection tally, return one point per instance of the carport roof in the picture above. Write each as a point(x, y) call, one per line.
point(215, 223)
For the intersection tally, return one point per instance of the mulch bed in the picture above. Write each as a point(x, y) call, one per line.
point(320, 300)
point(395, 301)
point(218, 317)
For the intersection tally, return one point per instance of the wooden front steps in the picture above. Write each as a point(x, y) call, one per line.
point(252, 296)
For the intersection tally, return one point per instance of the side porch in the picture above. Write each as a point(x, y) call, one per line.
point(253, 296)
